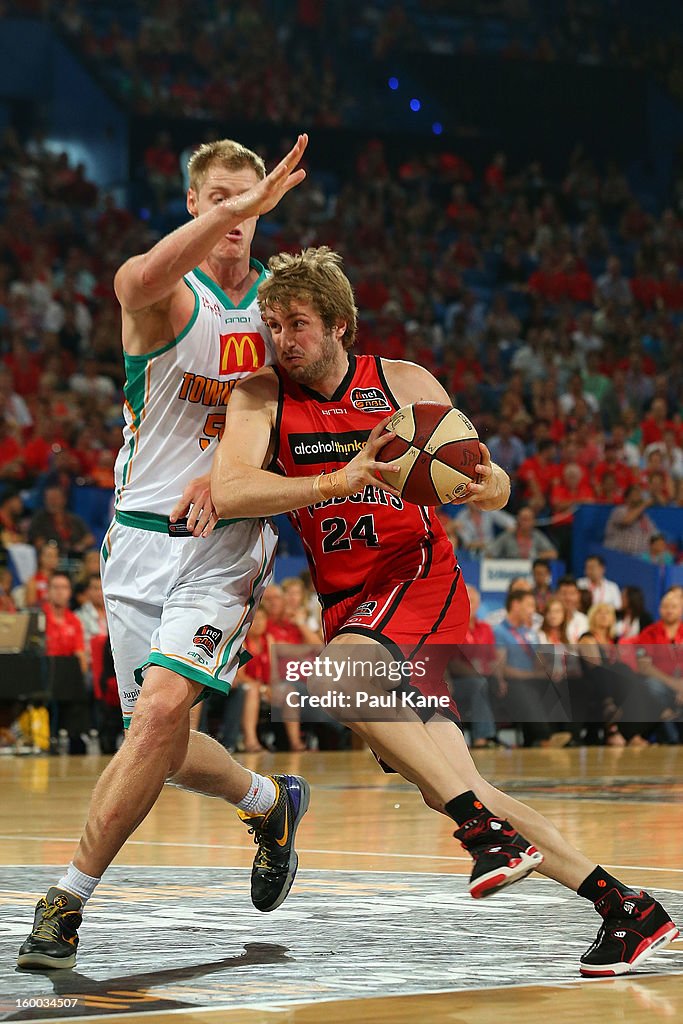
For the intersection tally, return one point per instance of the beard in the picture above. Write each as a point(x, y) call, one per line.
point(317, 370)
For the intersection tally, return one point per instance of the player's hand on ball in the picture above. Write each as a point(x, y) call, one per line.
point(363, 469)
point(197, 505)
point(482, 490)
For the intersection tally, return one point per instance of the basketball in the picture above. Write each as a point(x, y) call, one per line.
point(437, 448)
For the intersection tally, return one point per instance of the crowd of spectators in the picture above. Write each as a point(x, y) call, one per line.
point(165, 57)
point(583, 663)
point(551, 311)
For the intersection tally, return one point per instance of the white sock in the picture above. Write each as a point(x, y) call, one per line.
point(79, 884)
point(260, 796)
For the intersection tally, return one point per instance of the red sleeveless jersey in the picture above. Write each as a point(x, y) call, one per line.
point(350, 541)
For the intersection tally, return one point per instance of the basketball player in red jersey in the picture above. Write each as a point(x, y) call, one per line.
point(305, 439)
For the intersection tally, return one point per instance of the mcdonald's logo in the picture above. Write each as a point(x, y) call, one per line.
point(242, 353)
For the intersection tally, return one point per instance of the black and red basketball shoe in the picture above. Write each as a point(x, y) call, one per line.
point(633, 927)
point(501, 855)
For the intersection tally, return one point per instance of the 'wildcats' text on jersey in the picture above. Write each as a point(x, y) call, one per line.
point(175, 397)
point(347, 540)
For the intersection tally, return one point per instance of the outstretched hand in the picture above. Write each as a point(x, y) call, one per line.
point(267, 193)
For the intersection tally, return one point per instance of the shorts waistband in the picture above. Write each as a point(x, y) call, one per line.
point(329, 600)
point(155, 523)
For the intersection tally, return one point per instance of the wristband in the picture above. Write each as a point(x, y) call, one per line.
point(333, 485)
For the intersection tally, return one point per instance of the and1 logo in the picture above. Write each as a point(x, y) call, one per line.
point(207, 637)
point(366, 608)
point(369, 400)
point(241, 353)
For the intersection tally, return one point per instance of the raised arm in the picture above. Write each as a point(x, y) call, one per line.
point(412, 383)
point(241, 487)
point(148, 279)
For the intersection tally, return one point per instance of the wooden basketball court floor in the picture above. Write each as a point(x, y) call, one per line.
point(379, 926)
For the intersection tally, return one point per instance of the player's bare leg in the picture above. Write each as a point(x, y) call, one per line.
point(399, 736)
point(154, 749)
point(562, 861)
point(209, 769)
point(195, 717)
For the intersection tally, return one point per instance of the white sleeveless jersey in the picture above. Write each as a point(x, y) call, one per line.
point(175, 397)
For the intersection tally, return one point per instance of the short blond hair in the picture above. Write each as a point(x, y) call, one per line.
point(315, 276)
point(231, 155)
point(593, 611)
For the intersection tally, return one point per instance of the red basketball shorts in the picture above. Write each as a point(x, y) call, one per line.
point(419, 620)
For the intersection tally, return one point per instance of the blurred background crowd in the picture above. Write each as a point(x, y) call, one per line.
point(536, 273)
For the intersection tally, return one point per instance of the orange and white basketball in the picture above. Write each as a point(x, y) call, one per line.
point(437, 449)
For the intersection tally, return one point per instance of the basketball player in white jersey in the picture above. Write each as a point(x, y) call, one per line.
point(180, 592)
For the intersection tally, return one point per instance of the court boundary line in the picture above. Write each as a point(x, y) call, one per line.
point(338, 853)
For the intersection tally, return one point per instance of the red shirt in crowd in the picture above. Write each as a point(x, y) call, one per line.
point(562, 495)
point(648, 366)
point(25, 372)
point(284, 632)
point(494, 176)
point(9, 451)
point(545, 476)
point(664, 651)
point(623, 474)
point(161, 161)
point(671, 294)
point(482, 636)
point(657, 634)
point(579, 286)
point(41, 583)
point(372, 294)
point(645, 290)
point(38, 454)
point(258, 667)
point(466, 364)
point(63, 634)
point(551, 285)
point(652, 431)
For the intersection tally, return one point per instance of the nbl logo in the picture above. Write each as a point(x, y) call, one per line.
point(207, 637)
point(241, 353)
point(369, 400)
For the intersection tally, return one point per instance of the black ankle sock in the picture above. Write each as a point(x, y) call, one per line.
point(600, 882)
point(464, 807)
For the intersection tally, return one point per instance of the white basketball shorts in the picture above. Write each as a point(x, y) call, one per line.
point(185, 603)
